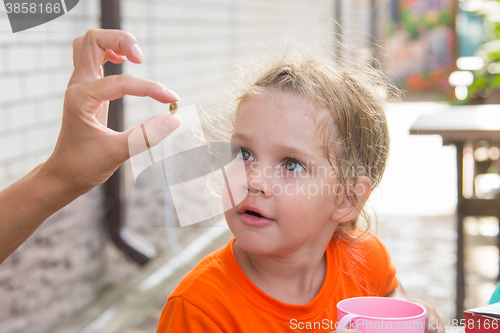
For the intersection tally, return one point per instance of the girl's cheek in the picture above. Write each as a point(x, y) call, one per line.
point(298, 187)
point(308, 187)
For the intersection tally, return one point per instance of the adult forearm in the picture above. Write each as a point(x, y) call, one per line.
point(27, 203)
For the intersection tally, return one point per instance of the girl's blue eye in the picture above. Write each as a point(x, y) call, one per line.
point(294, 166)
point(244, 154)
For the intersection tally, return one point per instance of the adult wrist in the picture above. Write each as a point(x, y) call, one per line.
point(62, 180)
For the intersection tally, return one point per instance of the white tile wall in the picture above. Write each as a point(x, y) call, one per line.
point(65, 30)
point(37, 85)
point(4, 22)
point(21, 116)
point(3, 59)
point(51, 56)
point(10, 146)
point(20, 59)
point(49, 110)
point(3, 118)
point(10, 88)
point(60, 80)
point(35, 140)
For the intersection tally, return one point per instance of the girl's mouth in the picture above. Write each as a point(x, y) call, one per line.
point(253, 218)
point(250, 212)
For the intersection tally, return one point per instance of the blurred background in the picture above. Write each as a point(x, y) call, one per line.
point(85, 271)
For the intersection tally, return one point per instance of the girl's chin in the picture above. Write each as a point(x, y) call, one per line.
point(254, 245)
point(252, 240)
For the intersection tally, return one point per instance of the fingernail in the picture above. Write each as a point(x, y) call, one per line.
point(138, 53)
point(168, 125)
point(173, 94)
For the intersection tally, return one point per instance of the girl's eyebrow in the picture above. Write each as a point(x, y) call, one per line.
point(241, 137)
point(294, 151)
point(281, 147)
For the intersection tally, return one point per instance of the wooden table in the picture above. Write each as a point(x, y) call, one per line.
point(463, 126)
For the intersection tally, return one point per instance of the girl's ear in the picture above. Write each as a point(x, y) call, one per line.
point(348, 208)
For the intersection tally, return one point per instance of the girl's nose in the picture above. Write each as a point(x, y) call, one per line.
point(259, 181)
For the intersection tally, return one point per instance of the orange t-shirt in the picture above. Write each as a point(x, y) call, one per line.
point(216, 296)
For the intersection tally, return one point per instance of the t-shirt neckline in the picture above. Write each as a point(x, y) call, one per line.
point(270, 305)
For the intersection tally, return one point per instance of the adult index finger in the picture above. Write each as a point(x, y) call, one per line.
point(93, 48)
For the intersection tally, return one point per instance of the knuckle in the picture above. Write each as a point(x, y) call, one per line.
point(91, 33)
point(77, 41)
point(72, 92)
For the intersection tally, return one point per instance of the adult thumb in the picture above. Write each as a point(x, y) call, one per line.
point(151, 132)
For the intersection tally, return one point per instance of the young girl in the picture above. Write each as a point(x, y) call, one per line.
point(314, 140)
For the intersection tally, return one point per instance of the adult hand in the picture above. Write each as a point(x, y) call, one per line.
point(87, 152)
point(433, 322)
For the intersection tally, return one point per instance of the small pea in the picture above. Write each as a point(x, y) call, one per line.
point(173, 107)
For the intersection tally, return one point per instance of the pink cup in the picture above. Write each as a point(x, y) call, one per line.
point(380, 315)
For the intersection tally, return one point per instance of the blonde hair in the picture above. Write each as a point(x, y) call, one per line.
point(355, 135)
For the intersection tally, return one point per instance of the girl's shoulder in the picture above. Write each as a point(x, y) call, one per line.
point(366, 261)
point(210, 271)
point(363, 250)
point(359, 240)
point(369, 241)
